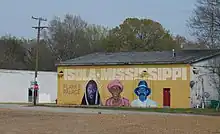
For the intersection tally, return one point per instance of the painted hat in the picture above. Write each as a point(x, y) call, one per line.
point(115, 83)
point(143, 84)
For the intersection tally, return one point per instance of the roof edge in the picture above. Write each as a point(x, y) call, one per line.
point(121, 63)
point(205, 57)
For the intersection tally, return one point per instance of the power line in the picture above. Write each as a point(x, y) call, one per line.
point(39, 28)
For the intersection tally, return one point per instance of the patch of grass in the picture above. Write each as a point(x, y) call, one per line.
point(160, 110)
point(25, 103)
point(14, 103)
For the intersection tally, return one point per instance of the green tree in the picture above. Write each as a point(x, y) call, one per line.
point(46, 59)
point(16, 53)
point(139, 35)
point(12, 53)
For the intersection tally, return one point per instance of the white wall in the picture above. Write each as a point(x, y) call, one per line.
point(14, 85)
point(203, 82)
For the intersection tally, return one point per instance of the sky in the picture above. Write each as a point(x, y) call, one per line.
point(16, 14)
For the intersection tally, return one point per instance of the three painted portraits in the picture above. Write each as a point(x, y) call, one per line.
point(115, 87)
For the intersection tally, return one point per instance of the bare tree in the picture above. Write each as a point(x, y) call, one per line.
point(71, 37)
point(187, 44)
point(95, 35)
point(205, 22)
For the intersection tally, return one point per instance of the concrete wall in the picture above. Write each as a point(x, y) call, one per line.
point(15, 83)
point(203, 89)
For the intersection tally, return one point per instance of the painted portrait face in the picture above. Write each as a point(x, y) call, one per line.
point(142, 93)
point(115, 91)
point(91, 90)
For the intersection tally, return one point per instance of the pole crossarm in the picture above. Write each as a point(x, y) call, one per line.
point(38, 18)
point(40, 27)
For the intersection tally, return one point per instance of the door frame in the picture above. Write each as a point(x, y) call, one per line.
point(168, 99)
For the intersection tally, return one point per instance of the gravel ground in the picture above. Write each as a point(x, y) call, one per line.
point(17, 120)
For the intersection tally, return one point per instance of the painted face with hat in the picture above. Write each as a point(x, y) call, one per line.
point(115, 87)
point(142, 91)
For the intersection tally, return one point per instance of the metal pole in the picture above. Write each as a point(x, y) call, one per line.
point(37, 53)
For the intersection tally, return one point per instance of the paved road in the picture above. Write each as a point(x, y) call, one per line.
point(82, 110)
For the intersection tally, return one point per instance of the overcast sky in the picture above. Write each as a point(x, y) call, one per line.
point(16, 14)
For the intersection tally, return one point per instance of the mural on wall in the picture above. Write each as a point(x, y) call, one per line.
point(115, 87)
point(199, 94)
point(143, 91)
point(91, 95)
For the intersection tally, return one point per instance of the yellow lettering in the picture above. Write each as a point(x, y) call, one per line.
point(129, 73)
point(84, 74)
point(92, 74)
point(106, 73)
point(166, 73)
point(71, 74)
point(71, 89)
point(159, 74)
point(125, 74)
point(136, 74)
point(78, 74)
point(184, 74)
point(120, 73)
point(176, 73)
point(142, 73)
point(65, 72)
point(113, 74)
point(152, 74)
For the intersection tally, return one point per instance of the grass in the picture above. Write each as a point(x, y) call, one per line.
point(160, 110)
point(24, 103)
point(14, 103)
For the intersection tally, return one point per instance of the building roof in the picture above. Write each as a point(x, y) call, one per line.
point(153, 57)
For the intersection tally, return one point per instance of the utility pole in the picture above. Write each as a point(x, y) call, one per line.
point(39, 28)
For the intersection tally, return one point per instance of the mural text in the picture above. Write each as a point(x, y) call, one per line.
point(126, 74)
point(71, 89)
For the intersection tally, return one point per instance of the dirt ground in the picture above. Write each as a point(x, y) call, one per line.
point(28, 122)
